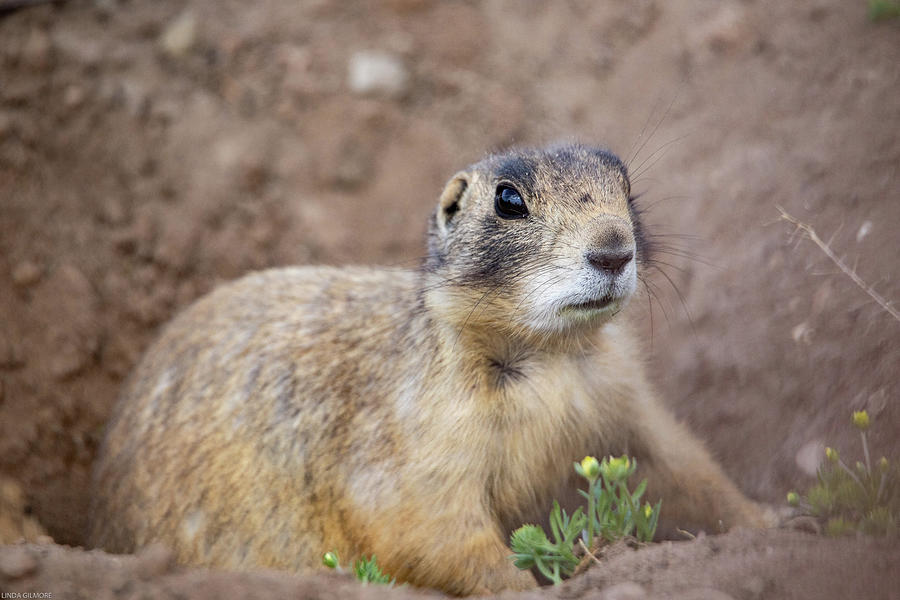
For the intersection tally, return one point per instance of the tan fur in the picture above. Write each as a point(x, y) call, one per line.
point(419, 416)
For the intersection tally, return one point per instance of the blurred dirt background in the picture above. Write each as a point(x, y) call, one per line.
point(149, 150)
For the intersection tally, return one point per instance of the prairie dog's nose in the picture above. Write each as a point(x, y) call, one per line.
point(610, 259)
point(611, 245)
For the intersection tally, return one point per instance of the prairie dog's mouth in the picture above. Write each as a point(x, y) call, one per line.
point(597, 304)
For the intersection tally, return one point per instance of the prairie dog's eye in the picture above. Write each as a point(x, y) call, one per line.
point(509, 204)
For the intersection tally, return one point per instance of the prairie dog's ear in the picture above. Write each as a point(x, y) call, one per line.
point(453, 199)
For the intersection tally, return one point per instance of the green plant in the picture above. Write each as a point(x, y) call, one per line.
point(882, 10)
point(365, 569)
point(612, 512)
point(554, 560)
point(864, 499)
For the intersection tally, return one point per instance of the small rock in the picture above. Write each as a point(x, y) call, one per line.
point(26, 274)
point(863, 231)
point(802, 333)
point(627, 590)
point(810, 456)
point(73, 96)
point(153, 561)
point(374, 72)
point(16, 563)
point(180, 35)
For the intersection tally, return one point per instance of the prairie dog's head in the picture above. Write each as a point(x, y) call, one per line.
point(539, 241)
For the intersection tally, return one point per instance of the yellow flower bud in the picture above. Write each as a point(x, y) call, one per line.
point(861, 420)
point(616, 469)
point(883, 463)
point(860, 467)
point(793, 498)
point(591, 467)
point(330, 560)
point(832, 454)
point(648, 510)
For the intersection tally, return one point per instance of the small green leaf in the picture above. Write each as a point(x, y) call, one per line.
point(368, 571)
point(579, 469)
point(641, 488)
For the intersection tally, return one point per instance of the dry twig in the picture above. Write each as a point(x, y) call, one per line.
point(587, 560)
point(588, 552)
point(810, 234)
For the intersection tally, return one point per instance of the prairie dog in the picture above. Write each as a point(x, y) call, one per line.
point(418, 415)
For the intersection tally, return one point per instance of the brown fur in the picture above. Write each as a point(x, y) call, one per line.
point(416, 415)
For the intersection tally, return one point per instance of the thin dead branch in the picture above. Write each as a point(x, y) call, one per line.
point(810, 233)
point(588, 552)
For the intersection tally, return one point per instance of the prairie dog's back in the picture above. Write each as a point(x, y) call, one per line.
point(239, 383)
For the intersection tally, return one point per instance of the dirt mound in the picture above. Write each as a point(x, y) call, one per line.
point(151, 150)
point(740, 565)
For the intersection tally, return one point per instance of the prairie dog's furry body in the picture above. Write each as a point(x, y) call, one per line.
point(415, 415)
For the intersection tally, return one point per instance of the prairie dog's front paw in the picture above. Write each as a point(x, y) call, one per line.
point(758, 515)
point(776, 516)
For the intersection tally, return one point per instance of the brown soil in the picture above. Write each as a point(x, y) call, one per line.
point(741, 565)
point(138, 169)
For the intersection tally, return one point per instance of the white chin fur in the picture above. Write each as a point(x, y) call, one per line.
point(551, 299)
